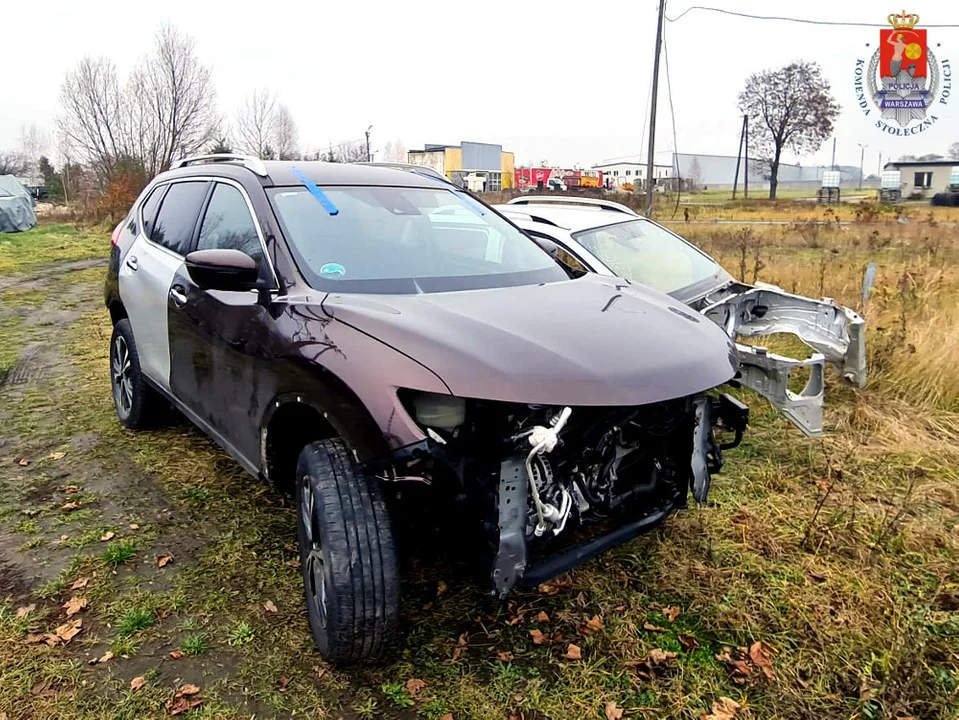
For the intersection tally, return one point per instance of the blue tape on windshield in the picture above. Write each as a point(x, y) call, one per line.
point(475, 206)
point(314, 191)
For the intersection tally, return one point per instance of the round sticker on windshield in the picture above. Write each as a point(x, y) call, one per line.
point(333, 270)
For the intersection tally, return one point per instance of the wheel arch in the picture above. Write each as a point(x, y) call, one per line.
point(293, 420)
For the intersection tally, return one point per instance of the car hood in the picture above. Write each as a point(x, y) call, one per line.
point(590, 341)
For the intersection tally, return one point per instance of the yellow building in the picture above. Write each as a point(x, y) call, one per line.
point(476, 166)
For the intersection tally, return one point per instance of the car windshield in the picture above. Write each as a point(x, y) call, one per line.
point(405, 240)
point(643, 252)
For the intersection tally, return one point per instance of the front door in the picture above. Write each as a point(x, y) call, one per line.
point(149, 267)
point(218, 338)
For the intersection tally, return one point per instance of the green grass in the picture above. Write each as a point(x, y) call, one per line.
point(857, 596)
point(48, 243)
point(195, 644)
point(133, 621)
point(120, 551)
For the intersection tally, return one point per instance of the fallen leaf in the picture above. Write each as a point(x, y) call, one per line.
point(824, 485)
point(282, 683)
point(461, 645)
point(269, 605)
point(672, 613)
point(441, 587)
point(554, 586)
point(594, 624)
point(573, 652)
point(30, 512)
point(740, 668)
point(138, 682)
point(687, 641)
point(39, 688)
point(447, 716)
point(108, 655)
point(537, 636)
point(176, 654)
point(71, 489)
point(414, 685)
point(183, 704)
point(67, 631)
point(23, 462)
point(652, 628)
point(134, 526)
point(33, 638)
point(69, 506)
point(505, 656)
point(541, 617)
point(57, 455)
point(108, 535)
point(428, 606)
point(759, 653)
point(661, 657)
point(188, 690)
point(74, 605)
point(80, 583)
point(723, 709)
point(51, 639)
point(164, 560)
point(613, 712)
point(619, 608)
point(21, 611)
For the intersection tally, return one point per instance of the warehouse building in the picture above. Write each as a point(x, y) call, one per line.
point(477, 166)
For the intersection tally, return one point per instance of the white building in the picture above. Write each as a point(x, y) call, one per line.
point(617, 173)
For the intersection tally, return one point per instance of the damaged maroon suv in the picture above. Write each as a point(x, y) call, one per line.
point(375, 341)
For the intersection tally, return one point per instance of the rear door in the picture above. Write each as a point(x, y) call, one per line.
point(148, 268)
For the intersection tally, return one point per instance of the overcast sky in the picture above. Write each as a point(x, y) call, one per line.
point(567, 83)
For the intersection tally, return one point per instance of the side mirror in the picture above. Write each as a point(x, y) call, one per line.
point(222, 269)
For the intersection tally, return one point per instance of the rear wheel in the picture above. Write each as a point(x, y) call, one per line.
point(347, 554)
point(137, 404)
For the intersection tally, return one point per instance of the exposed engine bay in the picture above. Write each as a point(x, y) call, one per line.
point(555, 486)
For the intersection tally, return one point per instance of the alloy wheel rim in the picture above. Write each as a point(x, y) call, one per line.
point(120, 371)
point(315, 562)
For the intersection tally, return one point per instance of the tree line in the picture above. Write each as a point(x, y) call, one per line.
point(110, 129)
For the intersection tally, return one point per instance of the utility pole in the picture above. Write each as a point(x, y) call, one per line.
point(862, 156)
point(746, 174)
point(739, 155)
point(833, 166)
point(369, 158)
point(652, 111)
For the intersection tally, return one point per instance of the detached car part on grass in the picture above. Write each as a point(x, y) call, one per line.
point(394, 353)
point(609, 238)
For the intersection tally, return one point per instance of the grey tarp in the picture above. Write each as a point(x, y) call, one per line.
point(16, 206)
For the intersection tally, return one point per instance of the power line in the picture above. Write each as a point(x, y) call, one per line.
point(789, 19)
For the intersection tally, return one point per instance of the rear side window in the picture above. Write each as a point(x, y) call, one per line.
point(150, 207)
point(178, 215)
point(228, 224)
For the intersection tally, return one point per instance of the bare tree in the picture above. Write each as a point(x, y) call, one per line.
point(33, 144)
point(91, 121)
point(256, 124)
point(789, 108)
point(12, 163)
point(349, 151)
point(954, 151)
point(176, 99)
point(284, 134)
point(395, 151)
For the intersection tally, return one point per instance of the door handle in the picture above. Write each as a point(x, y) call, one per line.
point(132, 263)
point(178, 295)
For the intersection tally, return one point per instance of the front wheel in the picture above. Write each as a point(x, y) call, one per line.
point(347, 554)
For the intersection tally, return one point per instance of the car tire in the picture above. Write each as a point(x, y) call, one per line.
point(347, 554)
point(137, 404)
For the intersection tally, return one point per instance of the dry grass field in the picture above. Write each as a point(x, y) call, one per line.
point(821, 580)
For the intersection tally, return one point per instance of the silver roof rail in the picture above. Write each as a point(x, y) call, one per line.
point(568, 200)
point(250, 162)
